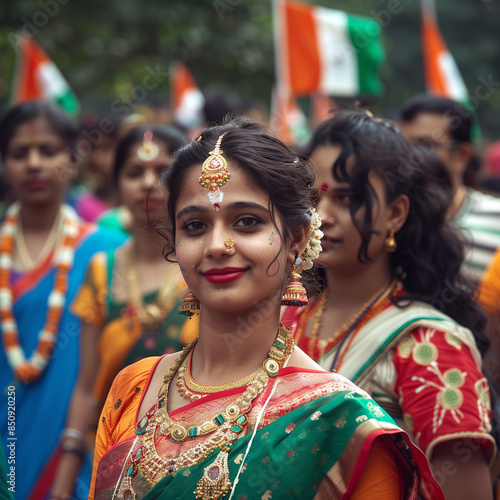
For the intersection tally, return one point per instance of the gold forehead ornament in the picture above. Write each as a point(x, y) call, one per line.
point(214, 174)
point(148, 150)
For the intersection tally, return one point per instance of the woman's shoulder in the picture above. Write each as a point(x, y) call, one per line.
point(304, 374)
point(139, 372)
point(136, 373)
point(299, 359)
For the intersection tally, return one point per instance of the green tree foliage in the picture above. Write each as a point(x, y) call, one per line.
point(105, 49)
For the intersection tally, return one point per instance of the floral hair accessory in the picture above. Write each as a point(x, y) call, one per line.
point(214, 174)
point(313, 247)
point(148, 150)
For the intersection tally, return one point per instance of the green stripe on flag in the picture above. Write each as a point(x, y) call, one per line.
point(69, 103)
point(366, 38)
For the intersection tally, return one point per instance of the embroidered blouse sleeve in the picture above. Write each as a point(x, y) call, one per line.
point(442, 392)
point(90, 302)
point(116, 422)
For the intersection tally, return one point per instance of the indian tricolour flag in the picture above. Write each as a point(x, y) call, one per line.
point(38, 78)
point(187, 98)
point(442, 76)
point(326, 51)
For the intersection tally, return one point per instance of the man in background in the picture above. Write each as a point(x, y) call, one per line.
point(444, 126)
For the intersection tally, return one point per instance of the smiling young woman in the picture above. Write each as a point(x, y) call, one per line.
point(44, 250)
point(241, 413)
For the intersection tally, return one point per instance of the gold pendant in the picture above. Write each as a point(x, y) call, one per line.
point(151, 315)
point(126, 489)
point(215, 481)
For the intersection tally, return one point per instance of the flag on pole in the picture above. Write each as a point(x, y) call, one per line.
point(37, 77)
point(287, 119)
point(442, 76)
point(322, 107)
point(325, 50)
point(187, 99)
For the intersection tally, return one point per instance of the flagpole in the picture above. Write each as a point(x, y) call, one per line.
point(429, 7)
point(279, 47)
point(16, 80)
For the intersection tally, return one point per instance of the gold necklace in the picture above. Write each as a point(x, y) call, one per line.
point(224, 429)
point(192, 390)
point(150, 315)
point(22, 249)
point(318, 317)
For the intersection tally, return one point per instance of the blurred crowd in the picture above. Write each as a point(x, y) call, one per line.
point(88, 288)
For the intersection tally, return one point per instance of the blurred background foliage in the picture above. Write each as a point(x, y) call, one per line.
point(106, 48)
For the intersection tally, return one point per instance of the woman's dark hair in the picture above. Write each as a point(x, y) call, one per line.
point(429, 251)
point(273, 166)
point(61, 124)
point(461, 121)
point(172, 137)
point(459, 116)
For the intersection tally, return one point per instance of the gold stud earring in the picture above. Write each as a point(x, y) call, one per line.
point(390, 241)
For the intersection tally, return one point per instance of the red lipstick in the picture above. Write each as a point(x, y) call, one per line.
point(35, 184)
point(225, 274)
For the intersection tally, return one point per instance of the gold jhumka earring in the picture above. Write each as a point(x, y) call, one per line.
point(294, 293)
point(190, 305)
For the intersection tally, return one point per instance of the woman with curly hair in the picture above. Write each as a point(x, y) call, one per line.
point(395, 316)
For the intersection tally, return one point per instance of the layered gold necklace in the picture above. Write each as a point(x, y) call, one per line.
point(191, 390)
point(223, 429)
point(150, 315)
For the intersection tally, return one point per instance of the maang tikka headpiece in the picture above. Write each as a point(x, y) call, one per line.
point(148, 150)
point(214, 174)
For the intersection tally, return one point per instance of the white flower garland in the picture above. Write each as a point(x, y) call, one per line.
point(29, 370)
point(313, 247)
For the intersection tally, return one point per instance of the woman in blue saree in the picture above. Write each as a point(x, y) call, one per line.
point(44, 252)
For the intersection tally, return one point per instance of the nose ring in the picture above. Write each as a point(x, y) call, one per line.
point(229, 244)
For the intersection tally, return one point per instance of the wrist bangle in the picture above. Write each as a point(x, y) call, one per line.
point(74, 434)
point(69, 448)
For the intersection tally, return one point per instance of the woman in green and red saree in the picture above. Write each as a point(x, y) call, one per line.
point(44, 251)
point(395, 316)
point(240, 412)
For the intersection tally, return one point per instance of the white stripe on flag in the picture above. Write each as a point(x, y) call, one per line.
point(339, 72)
point(51, 81)
point(452, 77)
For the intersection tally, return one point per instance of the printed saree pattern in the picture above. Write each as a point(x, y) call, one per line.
point(425, 370)
point(312, 441)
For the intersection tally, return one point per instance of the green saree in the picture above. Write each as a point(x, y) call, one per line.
point(312, 442)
